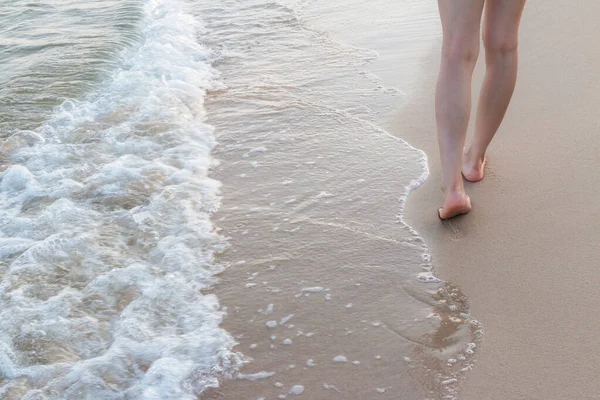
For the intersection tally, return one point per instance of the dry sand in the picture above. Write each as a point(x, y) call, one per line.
point(527, 256)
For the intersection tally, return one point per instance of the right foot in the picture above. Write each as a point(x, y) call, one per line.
point(473, 168)
point(455, 203)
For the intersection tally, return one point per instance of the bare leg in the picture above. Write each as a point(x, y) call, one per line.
point(500, 39)
point(461, 21)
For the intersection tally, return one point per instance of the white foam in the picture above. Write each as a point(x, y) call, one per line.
point(297, 390)
point(256, 376)
point(107, 217)
point(268, 310)
point(327, 386)
point(255, 151)
point(428, 277)
point(286, 319)
point(315, 289)
point(10, 246)
point(323, 195)
point(271, 324)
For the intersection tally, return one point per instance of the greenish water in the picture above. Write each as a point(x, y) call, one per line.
point(51, 51)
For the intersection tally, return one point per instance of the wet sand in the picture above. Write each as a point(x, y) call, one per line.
point(326, 288)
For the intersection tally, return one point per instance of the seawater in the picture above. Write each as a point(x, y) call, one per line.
point(119, 213)
point(106, 241)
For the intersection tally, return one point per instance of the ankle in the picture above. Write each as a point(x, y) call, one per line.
point(453, 188)
point(474, 156)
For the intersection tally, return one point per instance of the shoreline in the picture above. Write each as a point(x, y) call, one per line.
point(327, 288)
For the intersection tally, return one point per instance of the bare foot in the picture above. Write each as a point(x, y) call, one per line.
point(455, 203)
point(473, 167)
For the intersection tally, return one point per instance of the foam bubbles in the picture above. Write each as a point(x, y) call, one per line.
point(428, 277)
point(297, 390)
point(256, 376)
point(16, 179)
point(106, 234)
point(286, 319)
point(271, 324)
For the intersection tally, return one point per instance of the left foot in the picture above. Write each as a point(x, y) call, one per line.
point(473, 167)
point(455, 203)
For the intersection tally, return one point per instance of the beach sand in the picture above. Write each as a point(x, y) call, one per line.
point(526, 257)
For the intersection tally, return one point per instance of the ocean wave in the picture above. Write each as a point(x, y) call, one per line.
point(105, 234)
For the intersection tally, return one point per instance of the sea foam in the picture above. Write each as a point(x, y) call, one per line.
point(105, 234)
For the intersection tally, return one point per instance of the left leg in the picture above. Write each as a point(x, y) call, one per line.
point(461, 21)
point(500, 40)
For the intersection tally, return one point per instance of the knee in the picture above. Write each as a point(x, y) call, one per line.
point(461, 51)
point(499, 43)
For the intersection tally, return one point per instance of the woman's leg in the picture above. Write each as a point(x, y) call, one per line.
point(461, 20)
point(500, 39)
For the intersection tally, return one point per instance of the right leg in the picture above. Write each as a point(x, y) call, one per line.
point(461, 20)
point(500, 39)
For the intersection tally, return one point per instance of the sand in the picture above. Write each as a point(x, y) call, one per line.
point(527, 256)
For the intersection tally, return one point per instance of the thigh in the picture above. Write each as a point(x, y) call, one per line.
point(461, 21)
point(501, 22)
